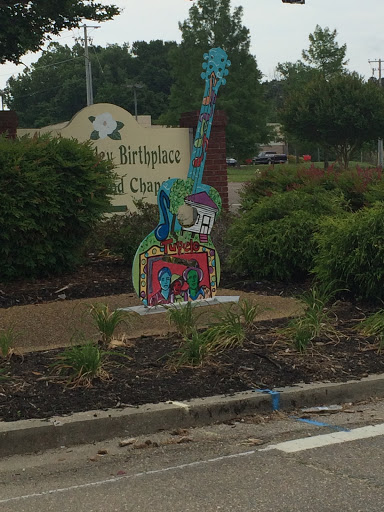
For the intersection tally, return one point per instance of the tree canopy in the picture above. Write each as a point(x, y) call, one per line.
point(212, 24)
point(324, 53)
point(53, 89)
point(27, 24)
point(341, 113)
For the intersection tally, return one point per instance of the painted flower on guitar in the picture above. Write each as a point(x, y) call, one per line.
point(105, 126)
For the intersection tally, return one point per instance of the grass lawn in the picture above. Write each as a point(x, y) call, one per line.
point(246, 172)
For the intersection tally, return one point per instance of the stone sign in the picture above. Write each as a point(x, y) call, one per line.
point(144, 156)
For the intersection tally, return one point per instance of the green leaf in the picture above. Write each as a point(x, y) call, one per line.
point(115, 135)
point(119, 125)
point(95, 135)
point(91, 118)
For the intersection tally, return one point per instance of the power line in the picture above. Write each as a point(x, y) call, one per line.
point(48, 65)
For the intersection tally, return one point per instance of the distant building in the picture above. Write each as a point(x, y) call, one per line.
point(278, 144)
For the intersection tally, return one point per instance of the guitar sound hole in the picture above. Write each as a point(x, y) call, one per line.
point(186, 216)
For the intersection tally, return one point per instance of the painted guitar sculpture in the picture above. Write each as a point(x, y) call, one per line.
point(175, 263)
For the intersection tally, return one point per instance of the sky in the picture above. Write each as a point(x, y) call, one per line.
point(279, 32)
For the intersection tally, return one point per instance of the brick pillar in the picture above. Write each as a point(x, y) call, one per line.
point(8, 122)
point(215, 169)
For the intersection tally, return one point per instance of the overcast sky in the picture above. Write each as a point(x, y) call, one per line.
point(278, 31)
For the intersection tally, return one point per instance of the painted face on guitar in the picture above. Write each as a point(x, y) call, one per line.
point(187, 242)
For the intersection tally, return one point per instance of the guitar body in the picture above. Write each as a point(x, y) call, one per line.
point(177, 263)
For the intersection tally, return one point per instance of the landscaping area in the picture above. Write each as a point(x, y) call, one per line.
point(238, 348)
point(305, 253)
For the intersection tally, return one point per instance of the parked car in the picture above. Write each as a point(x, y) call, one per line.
point(231, 162)
point(270, 157)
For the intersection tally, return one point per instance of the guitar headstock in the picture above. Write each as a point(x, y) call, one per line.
point(217, 63)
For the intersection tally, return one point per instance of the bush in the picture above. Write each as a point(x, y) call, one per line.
point(52, 191)
point(274, 240)
point(122, 234)
point(351, 251)
point(357, 185)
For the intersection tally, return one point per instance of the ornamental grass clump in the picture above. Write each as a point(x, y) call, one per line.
point(193, 350)
point(82, 364)
point(7, 340)
point(373, 325)
point(228, 333)
point(107, 321)
point(316, 319)
point(249, 311)
point(183, 318)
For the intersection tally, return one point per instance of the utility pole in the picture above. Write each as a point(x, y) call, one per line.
point(380, 141)
point(135, 87)
point(88, 69)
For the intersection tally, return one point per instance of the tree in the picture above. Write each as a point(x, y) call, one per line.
point(53, 89)
point(324, 57)
point(340, 113)
point(212, 24)
point(27, 24)
point(324, 53)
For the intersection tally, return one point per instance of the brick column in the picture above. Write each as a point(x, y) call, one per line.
point(8, 122)
point(215, 169)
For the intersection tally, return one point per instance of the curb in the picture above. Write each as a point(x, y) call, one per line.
point(28, 436)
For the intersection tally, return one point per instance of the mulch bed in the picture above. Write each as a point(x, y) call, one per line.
point(30, 389)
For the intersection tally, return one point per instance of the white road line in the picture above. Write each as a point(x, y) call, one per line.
point(308, 443)
point(125, 477)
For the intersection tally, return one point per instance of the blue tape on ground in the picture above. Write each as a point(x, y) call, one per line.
point(275, 397)
point(320, 424)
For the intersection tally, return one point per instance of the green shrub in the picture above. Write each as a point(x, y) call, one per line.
point(52, 191)
point(122, 234)
point(360, 186)
point(351, 251)
point(274, 240)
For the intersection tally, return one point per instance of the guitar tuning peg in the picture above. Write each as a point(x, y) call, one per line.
point(204, 65)
point(228, 63)
point(203, 76)
point(206, 56)
point(223, 81)
point(225, 72)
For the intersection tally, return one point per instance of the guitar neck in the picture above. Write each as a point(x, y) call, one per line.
point(213, 80)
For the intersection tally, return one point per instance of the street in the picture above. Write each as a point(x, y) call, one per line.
point(244, 465)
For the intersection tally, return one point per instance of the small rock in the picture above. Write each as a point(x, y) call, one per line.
point(140, 446)
point(184, 440)
point(254, 442)
point(127, 442)
point(179, 432)
point(102, 452)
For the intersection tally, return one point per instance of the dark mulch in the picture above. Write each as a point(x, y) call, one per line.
point(29, 388)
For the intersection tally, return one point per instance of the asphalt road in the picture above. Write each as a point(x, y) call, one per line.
point(239, 466)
